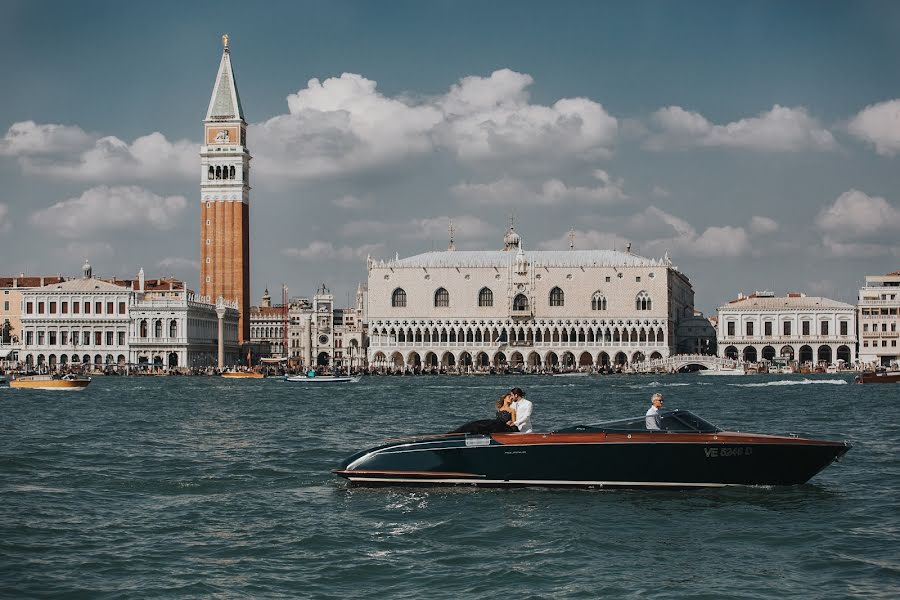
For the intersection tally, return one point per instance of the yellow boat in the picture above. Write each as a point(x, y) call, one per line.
point(50, 382)
point(243, 375)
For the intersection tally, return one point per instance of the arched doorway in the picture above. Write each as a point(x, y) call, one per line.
point(806, 354)
point(431, 359)
point(379, 359)
point(51, 361)
point(534, 360)
point(731, 352)
point(516, 359)
point(552, 359)
point(448, 360)
point(173, 360)
point(63, 360)
point(568, 360)
point(603, 359)
point(787, 353)
point(465, 359)
point(750, 354)
point(768, 353)
point(323, 359)
point(157, 361)
point(637, 357)
point(585, 360)
point(655, 356)
point(41, 359)
point(824, 354)
point(414, 360)
point(499, 359)
point(621, 359)
point(482, 359)
point(397, 360)
point(843, 353)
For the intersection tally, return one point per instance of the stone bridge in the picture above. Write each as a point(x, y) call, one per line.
point(679, 361)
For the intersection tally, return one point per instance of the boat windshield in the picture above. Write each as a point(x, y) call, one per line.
point(670, 421)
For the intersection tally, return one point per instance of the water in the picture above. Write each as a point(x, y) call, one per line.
point(196, 487)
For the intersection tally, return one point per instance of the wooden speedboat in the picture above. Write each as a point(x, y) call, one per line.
point(242, 375)
point(50, 382)
point(681, 450)
point(885, 377)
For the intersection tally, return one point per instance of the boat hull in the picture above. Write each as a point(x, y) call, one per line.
point(594, 460)
point(49, 384)
point(242, 375)
point(320, 379)
point(878, 378)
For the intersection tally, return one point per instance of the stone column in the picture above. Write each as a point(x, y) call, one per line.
point(220, 313)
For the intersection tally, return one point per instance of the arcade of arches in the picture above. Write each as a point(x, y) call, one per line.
point(805, 353)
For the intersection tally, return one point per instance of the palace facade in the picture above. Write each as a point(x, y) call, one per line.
point(535, 309)
point(796, 327)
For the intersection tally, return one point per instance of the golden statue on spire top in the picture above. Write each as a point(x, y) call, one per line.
point(225, 41)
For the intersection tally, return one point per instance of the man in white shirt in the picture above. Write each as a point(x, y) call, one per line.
point(652, 419)
point(523, 411)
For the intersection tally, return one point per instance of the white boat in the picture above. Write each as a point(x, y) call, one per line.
point(572, 374)
point(724, 371)
point(320, 379)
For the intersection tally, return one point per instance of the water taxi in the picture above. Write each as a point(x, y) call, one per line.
point(50, 382)
point(242, 375)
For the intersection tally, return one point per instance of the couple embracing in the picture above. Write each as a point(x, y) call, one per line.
point(513, 414)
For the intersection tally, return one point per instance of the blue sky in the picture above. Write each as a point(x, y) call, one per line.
point(756, 142)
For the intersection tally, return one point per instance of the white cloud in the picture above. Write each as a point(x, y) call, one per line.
point(435, 228)
point(780, 129)
point(344, 125)
point(5, 223)
point(762, 226)
point(27, 138)
point(506, 191)
point(660, 192)
point(586, 240)
point(859, 225)
point(178, 263)
point(106, 208)
point(879, 124)
point(667, 233)
point(320, 250)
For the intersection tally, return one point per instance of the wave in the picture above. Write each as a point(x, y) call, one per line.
point(792, 382)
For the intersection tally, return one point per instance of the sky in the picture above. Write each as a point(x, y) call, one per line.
point(755, 142)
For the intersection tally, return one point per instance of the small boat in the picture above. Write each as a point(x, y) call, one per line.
point(242, 375)
point(882, 377)
point(723, 371)
point(681, 451)
point(572, 374)
point(50, 382)
point(320, 378)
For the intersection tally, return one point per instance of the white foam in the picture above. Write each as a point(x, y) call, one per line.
point(793, 382)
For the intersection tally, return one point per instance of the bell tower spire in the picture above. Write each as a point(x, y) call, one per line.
point(225, 197)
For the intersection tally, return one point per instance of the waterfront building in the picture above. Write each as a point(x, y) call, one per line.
point(225, 198)
point(324, 336)
point(696, 335)
point(796, 327)
point(75, 322)
point(11, 289)
point(879, 319)
point(170, 328)
point(535, 309)
point(268, 327)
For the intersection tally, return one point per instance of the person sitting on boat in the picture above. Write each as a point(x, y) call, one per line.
point(652, 418)
point(523, 409)
point(501, 423)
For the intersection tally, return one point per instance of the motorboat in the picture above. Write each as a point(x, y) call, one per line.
point(315, 379)
point(50, 382)
point(876, 377)
point(242, 375)
point(723, 371)
point(573, 374)
point(682, 451)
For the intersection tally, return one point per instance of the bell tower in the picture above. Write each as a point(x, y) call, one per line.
point(225, 198)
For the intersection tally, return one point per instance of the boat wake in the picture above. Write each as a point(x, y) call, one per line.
point(793, 382)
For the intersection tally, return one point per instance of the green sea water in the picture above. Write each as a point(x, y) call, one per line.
point(208, 488)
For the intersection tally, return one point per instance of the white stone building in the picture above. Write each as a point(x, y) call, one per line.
point(267, 327)
point(796, 327)
point(170, 328)
point(879, 319)
point(324, 336)
point(538, 309)
point(75, 323)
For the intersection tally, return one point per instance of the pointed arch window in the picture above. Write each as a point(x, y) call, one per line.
point(643, 302)
point(398, 298)
point(557, 297)
point(485, 297)
point(441, 298)
point(520, 302)
point(598, 301)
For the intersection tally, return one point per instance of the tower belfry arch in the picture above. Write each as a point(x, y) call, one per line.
point(225, 197)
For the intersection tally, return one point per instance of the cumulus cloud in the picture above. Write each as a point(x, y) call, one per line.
point(780, 129)
point(762, 225)
point(27, 138)
point(465, 227)
point(351, 202)
point(879, 124)
point(5, 223)
point(319, 250)
point(506, 192)
point(660, 192)
point(585, 240)
point(859, 225)
point(344, 125)
point(106, 208)
point(68, 152)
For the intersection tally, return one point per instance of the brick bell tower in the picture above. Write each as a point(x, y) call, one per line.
point(225, 198)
